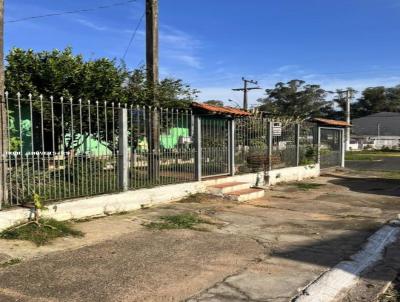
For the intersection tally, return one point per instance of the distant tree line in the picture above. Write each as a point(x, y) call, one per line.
point(296, 99)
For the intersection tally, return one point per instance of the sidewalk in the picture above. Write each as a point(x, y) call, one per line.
point(265, 250)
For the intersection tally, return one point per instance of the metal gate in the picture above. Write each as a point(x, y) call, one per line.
point(331, 147)
point(215, 142)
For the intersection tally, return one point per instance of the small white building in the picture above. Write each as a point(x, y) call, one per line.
point(376, 131)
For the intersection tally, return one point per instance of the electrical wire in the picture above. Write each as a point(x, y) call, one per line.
point(71, 12)
point(133, 36)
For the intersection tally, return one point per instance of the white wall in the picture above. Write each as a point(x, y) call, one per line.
point(134, 200)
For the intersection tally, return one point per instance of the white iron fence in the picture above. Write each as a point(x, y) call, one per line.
point(63, 149)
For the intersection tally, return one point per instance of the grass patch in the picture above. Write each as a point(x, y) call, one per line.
point(178, 221)
point(10, 262)
point(197, 198)
point(43, 234)
point(304, 186)
point(370, 155)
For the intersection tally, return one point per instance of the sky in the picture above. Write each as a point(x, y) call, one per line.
point(212, 44)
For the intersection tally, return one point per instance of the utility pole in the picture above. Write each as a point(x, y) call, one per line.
point(153, 131)
point(245, 89)
point(348, 99)
point(3, 117)
point(348, 96)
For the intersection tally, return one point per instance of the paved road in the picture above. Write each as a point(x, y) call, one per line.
point(386, 164)
point(264, 250)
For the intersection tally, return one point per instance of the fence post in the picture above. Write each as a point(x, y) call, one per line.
point(197, 148)
point(318, 145)
point(3, 149)
point(232, 147)
point(270, 141)
point(343, 147)
point(123, 160)
point(297, 137)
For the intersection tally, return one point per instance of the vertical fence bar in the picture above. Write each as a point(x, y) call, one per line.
point(8, 187)
point(197, 147)
point(231, 146)
point(297, 140)
point(318, 145)
point(4, 141)
point(343, 147)
point(123, 150)
point(270, 142)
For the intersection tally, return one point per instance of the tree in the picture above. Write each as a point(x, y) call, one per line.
point(295, 99)
point(215, 103)
point(377, 99)
point(63, 74)
point(338, 109)
point(172, 93)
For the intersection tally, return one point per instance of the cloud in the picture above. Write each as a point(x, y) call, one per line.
point(92, 25)
point(286, 68)
point(180, 47)
point(189, 60)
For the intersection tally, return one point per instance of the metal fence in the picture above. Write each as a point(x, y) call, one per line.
point(251, 144)
point(63, 149)
point(284, 152)
point(60, 149)
point(308, 144)
point(175, 155)
point(331, 146)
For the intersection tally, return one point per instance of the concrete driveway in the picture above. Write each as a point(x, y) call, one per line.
point(264, 250)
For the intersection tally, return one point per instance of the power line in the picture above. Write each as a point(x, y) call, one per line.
point(133, 36)
point(71, 12)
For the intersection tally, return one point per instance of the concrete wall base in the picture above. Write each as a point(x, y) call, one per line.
point(293, 174)
point(134, 200)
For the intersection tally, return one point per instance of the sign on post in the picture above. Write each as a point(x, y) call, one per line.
point(276, 129)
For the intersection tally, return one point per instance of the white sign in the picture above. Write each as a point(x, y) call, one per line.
point(277, 129)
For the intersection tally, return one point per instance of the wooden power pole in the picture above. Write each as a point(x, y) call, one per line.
point(153, 133)
point(3, 117)
point(245, 89)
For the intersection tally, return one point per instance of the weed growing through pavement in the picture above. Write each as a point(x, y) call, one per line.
point(10, 262)
point(178, 221)
point(42, 233)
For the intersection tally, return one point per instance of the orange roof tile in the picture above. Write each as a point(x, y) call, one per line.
point(221, 110)
point(331, 122)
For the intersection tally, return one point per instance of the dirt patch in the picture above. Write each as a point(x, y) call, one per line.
point(393, 293)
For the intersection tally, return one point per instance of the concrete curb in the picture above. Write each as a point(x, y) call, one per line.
point(344, 275)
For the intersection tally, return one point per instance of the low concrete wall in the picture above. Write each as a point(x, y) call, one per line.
point(293, 174)
point(133, 200)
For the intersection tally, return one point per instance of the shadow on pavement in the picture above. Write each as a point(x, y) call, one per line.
point(377, 186)
point(329, 252)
